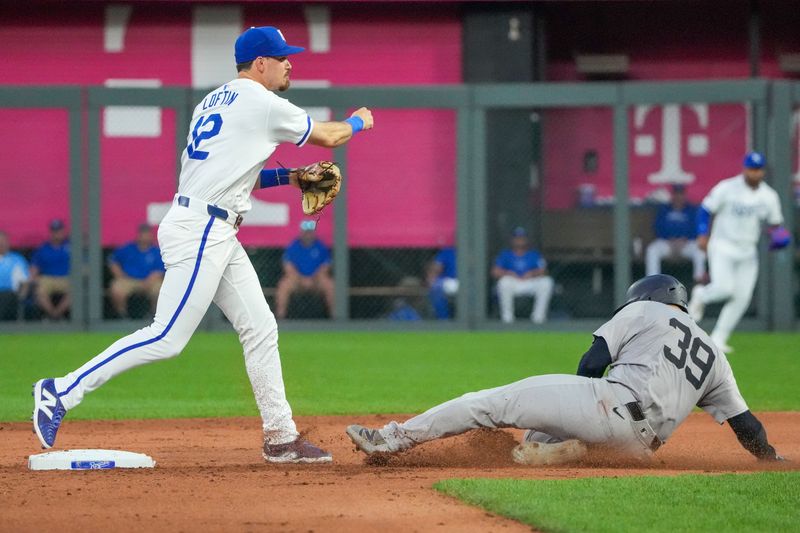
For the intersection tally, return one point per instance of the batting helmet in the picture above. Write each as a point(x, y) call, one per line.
point(658, 288)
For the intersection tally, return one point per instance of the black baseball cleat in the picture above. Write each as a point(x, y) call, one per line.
point(297, 451)
point(48, 411)
point(367, 440)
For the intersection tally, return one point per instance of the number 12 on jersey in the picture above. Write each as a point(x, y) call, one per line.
point(198, 136)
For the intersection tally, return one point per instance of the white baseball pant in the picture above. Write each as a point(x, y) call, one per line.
point(557, 406)
point(205, 262)
point(660, 249)
point(541, 288)
point(733, 279)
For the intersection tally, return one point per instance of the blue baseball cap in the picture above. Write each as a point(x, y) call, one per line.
point(56, 224)
point(519, 231)
point(308, 225)
point(264, 41)
point(754, 160)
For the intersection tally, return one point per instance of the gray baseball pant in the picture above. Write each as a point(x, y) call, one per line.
point(558, 406)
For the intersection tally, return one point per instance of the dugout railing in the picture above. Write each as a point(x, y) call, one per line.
point(771, 106)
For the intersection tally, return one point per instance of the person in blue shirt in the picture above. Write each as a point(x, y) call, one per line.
point(306, 267)
point(50, 272)
point(136, 268)
point(676, 230)
point(522, 271)
point(14, 277)
point(442, 281)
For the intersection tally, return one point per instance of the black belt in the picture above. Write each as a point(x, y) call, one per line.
point(637, 415)
point(215, 211)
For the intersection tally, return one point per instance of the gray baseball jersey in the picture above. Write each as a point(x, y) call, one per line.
point(670, 365)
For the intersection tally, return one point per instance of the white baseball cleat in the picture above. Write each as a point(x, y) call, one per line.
point(542, 454)
point(696, 306)
point(367, 440)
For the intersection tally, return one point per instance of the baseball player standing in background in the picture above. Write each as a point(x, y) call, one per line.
point(739, 205)
point(661, 365)
point(233, 132)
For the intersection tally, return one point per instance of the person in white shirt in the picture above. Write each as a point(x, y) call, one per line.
point(233, 131)
point(739, 204)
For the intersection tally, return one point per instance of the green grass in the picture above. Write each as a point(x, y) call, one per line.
point(767, 501)
point(345, 373)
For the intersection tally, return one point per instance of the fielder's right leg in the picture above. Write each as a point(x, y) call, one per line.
point(241, 299)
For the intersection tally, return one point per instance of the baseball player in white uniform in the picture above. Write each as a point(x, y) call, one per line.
point(660, 366)
point(739, 204)
point(233, 131)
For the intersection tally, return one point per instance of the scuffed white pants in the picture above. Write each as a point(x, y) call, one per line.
point(205, 262)
point(660, 249)
point(557, 406)
point(540, 288)
point(733, 279)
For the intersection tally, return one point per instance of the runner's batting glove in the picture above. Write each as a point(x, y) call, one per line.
point(779, 237)
point(319, 183)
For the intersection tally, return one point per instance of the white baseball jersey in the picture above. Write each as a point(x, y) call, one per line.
point(739, 211)
point(233, 132)
point(670, 365)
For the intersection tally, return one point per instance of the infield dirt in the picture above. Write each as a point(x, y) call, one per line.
point(210, 476)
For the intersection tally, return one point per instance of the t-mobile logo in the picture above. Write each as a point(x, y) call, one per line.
point(671, 142)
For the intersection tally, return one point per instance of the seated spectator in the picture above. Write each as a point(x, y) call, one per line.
point(676, 230)
point(402, 310)
point(50, 272)
point(442, 281)
point(306, 267)
point(14, 277)
point(136, 268)
point(522, 271)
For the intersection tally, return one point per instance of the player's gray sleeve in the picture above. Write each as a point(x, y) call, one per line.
point(621, 329)
point(723, 400)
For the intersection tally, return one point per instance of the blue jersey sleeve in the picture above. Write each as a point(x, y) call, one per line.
point(447, 259)
point(502, 260)
point(289, 255)
point(36, 258)
point(324, 254)
point(117, 256)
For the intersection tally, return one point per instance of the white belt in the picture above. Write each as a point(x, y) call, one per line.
point(204, 208)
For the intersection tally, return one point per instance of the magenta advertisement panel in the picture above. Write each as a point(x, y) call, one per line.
point(146, 45)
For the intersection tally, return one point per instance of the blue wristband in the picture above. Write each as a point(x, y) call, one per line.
point(356, 123)
point(272, 177)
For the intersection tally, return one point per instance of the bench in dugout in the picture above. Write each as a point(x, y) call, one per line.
point(575, 238)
